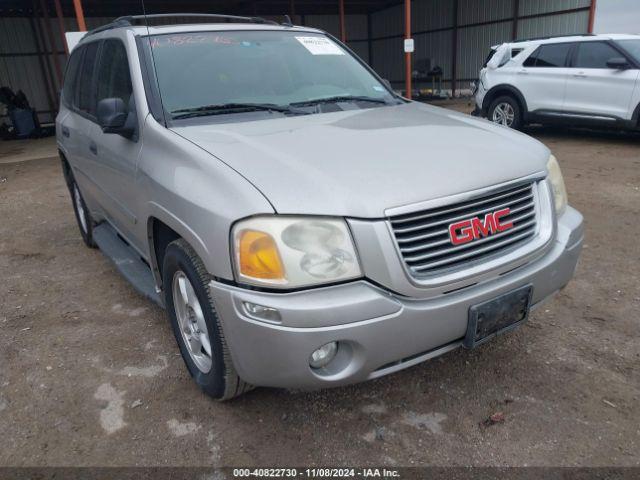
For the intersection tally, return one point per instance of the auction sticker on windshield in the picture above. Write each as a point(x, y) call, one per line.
point(320, 46)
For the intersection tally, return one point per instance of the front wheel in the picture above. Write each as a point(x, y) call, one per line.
point(195, 323)
point(506, 111)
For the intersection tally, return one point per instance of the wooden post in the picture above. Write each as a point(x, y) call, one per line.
point(61, 25)
point(407, 55)
point(343, 28)
point(592, 15)
point(77, 5)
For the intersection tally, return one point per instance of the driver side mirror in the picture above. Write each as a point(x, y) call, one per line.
point(112, 116)
point(618, 63)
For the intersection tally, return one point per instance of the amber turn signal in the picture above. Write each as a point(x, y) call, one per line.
point(259, 256)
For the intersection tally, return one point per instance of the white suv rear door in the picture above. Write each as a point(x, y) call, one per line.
point(595, 89)
point(542, 78)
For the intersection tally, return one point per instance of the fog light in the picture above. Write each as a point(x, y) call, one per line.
point(261, 312)
point(323, 355)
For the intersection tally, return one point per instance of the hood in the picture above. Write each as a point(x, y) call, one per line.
point(359, 163)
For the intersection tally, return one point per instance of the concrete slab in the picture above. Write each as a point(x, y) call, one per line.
point(12, 151)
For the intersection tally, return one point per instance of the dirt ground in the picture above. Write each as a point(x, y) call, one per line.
point(90, 373)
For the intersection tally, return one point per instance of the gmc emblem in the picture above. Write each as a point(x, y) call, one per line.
point(474, 228)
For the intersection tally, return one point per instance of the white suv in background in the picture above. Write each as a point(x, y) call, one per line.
point(590, 80)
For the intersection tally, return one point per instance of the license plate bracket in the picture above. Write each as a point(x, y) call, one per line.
point(498, 315)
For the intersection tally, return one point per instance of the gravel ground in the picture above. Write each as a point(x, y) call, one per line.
point(90, 373)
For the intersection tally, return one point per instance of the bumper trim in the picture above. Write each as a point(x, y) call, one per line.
point(414, 360)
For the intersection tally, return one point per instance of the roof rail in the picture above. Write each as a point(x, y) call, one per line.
point(131, 20)
point(533, 39)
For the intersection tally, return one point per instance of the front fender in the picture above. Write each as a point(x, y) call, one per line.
point(195, 194)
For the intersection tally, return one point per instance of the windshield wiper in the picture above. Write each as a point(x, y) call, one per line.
point(223, 108)
point(340, 98)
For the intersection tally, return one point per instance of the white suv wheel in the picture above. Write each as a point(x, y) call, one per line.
point(503, 114)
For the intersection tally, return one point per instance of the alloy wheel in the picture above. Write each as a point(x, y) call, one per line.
point(504, 114)
point(191, 321)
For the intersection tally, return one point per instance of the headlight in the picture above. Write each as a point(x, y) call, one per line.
point(557, 185)
point(292, 252)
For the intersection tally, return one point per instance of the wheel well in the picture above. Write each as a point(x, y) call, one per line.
point(508, 92)
point(161, 236)
point(636, 115)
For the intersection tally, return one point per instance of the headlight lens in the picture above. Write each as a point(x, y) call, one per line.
point(292, 252)
point(557, 185)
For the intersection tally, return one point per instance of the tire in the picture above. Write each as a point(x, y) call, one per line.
point(195, 323)
point(83, 217)
point(506, 111)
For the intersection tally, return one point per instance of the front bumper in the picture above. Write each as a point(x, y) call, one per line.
point(379, 332)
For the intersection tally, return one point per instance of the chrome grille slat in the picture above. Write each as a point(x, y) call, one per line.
point(453, 209)
point(423, 237)
point(446, 230)
point(471, 244)
point(487, 248)
point(463, 216)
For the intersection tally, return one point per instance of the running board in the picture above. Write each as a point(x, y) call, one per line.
point(127, 261)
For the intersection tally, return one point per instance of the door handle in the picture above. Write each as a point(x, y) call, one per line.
point(93, 147)
point(580, 75)
point(65, 132)
point(523, 72)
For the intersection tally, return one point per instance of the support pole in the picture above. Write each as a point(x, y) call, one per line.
point(52, 43)
point(43, 70)
point(369, 41)
point(61, 25)
point(454, 62)
point(343, 28)
point(592, 15)
point(514, 25)
point(77, 5)
point(407, 55)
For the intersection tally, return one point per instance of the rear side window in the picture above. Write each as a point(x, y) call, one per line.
point(86, 98)
point(114, 80)
point(549, 56)
point(70, 76)
point(594, 55)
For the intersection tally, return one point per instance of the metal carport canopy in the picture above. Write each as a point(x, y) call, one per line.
point(274, 9)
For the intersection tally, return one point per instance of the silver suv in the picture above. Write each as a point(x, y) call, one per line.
point(302, 224)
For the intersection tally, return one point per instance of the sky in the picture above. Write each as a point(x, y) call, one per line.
point(617, 16)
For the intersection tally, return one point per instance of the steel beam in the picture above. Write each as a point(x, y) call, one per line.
point(407, 55)
point(592, 15)
point(343, 28)
point(454, 54)
point(49, 32)
point(77, 5)
point(60, 16)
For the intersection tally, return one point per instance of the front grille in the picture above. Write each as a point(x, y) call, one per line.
point(425, 244)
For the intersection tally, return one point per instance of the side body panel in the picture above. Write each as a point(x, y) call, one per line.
point(113, 163)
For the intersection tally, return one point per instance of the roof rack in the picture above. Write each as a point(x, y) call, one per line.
point(533, 39)
point(132, 20)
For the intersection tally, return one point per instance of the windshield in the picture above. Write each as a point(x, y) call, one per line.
point(258, 68)
point(631, 46)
